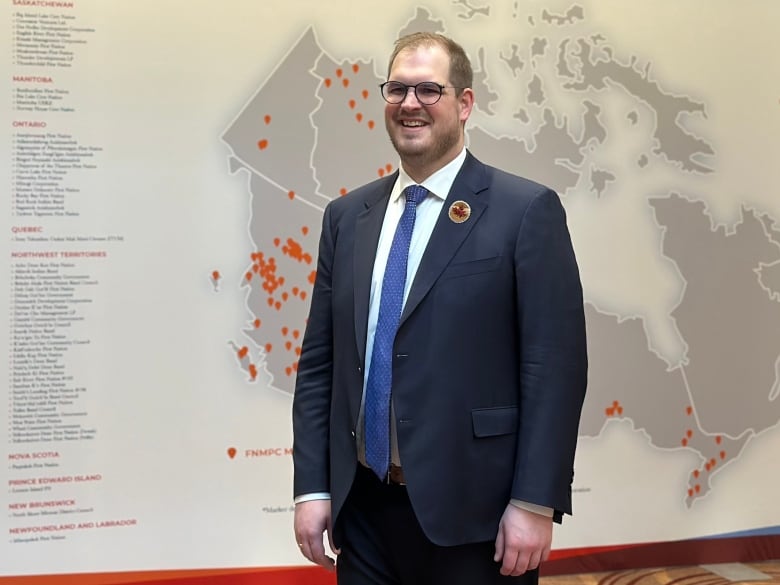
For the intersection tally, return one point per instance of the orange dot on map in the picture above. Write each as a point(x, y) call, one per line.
point(339, 73)
point(215, 275)
point(707, 466)
point(298, 350)
point(231, 452)
point(303, 295)
point(690, 493)
point(696, 473)
point(295, 291)
point(257, 323)
point(295, 366)
point(345, 81)
point(268, 348)
point(343, 191)
point(242, 352)
point(267, 119)
point(270, 301)
point(262, 144)
point(352, 104)
point(285, 296)
point(697, 487)
point(288, 371)
point(248, 276)
point(388, 167)
point(689, 410)
point(689, 433)
point(371, 124)
point(277, 241)
point(291, 194)
point(288, 345)
point(718, 439)
point(684, 442)
point(253, 371)
point(281, 280)
point(355, 67)
point(608, 411)
point(620, 410)
point(312, 276)
point(277, 305)
point(359, 117)
point(381, 172)
point(722, 454)
point(327, 82)
point(365, 94)
point(285, 331)
point(304, 230)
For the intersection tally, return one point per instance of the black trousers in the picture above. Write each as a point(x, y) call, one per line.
point(382, 544)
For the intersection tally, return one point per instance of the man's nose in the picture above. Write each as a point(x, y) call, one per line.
point(413, 101)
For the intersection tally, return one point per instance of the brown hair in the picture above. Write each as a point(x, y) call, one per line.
point(461, 74)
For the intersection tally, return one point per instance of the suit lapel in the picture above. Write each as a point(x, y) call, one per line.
point(447, 235)
point(367, 230)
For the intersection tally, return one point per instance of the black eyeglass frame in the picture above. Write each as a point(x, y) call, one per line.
point(430, 84)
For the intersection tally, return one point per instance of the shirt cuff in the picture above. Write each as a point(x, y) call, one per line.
point(535, 508)
point(311, 497)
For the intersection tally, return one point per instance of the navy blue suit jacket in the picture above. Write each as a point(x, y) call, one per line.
point(490, 363)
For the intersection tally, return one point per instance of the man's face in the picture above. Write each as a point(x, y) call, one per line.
point(426, 137)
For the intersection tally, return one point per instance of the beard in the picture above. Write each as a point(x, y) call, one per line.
point(426, 153)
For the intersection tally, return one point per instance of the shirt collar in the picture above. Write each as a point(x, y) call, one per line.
point(438, 184)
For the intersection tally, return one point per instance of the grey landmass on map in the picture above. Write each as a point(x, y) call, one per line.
point(422, 21)
point(599, 179)
point(539, 47)
point(522, 115)
point(470, 10)
point(350, 111)
point(729, 323)
point(627, 381)
point(642, 161)
point(483, 94)
point(673, 142)
point(561, 65)
point(286, 233)
point(535, 91)
point(546, 163)
point(259, 136)
point(769, 277)
point(572, 15)
point(771, 227)
point(633, 117)
point(513, 61)
point(592, 128)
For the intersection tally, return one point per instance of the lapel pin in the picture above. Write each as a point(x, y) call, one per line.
point(459, 211)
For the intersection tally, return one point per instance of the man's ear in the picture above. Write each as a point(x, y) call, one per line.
point(466, 101)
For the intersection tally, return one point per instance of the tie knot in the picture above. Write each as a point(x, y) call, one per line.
point(415, 193)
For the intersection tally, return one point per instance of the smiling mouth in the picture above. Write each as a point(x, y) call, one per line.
point(412, 123)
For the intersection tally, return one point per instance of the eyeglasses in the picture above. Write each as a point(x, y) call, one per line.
point(426, 92)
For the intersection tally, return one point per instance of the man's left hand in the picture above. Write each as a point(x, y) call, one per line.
point(523, 541)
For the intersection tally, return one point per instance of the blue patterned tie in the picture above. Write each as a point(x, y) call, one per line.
point(380, 374)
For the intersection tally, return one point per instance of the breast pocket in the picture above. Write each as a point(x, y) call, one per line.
point(491, 422)
point(461, 269)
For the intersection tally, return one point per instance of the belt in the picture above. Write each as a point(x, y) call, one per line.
point(395, 475)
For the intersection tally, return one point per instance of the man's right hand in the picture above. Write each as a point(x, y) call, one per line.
point(312, 519)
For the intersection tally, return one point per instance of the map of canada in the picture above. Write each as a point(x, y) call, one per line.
point(584, 117)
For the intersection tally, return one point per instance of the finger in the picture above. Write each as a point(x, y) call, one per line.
point(512, 559)
point(318, 555)
point(499, 545)
point(330, 539)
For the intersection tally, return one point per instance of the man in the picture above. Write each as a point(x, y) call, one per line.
point(444, 363)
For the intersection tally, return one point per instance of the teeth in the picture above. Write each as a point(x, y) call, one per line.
point(412, 123)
